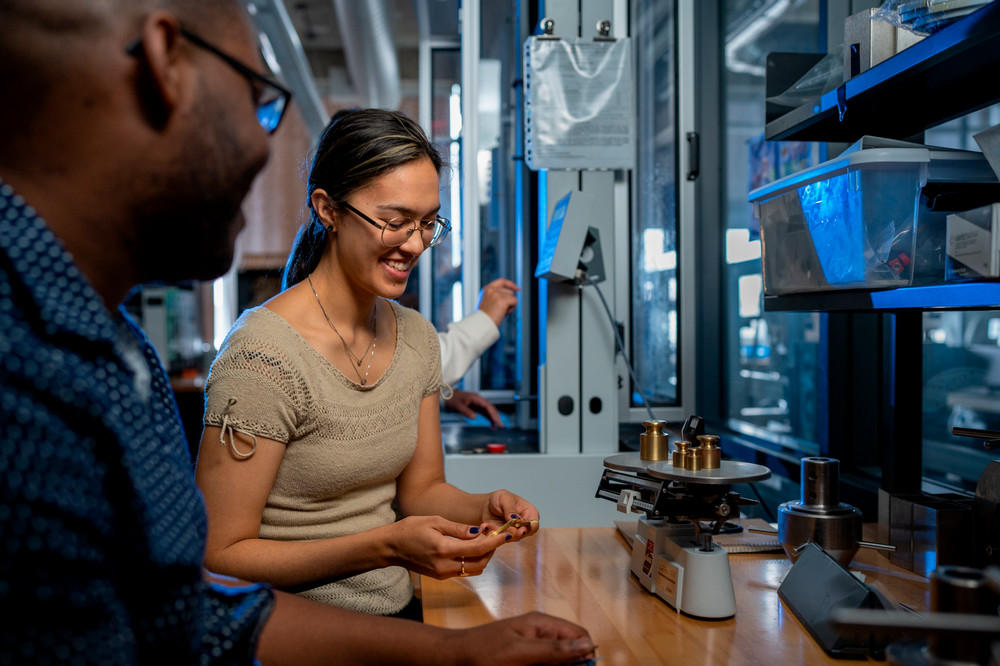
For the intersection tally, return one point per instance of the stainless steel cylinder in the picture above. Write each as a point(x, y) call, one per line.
point(653, 443)
point(819, 516)
point(820, 482)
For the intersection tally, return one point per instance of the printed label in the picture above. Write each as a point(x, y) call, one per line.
point(666, 579)
point(647, 564)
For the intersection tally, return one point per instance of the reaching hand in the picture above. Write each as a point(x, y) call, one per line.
point(468, 404)
point(498, 299)
point(436, 547)
point(534, 638)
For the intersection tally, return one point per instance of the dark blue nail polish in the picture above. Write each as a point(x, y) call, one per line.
point(509, 537)
point(473, 530)
point(515, 516)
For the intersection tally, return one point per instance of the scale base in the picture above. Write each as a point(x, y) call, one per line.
point(668, 561)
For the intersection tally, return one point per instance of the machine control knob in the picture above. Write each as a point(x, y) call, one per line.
point(565, 405)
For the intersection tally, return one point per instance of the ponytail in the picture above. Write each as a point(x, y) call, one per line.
point(307, 250)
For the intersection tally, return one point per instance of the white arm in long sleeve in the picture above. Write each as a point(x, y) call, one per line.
point(464, 342)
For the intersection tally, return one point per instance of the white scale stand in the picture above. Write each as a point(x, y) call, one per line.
point(671, 556)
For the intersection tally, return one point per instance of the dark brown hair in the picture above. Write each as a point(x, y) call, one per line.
point(356, 147)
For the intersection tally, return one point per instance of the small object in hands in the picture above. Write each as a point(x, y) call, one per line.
point(513, 522)
point(463, 572)
point(496, 448)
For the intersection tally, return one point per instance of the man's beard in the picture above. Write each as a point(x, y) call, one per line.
point(189, 229)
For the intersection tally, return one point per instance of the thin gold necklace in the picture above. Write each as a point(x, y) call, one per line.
point(347, 348)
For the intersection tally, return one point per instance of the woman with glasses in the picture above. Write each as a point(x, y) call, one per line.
point(321, 460)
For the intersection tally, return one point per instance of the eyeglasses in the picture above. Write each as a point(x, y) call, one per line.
point(396, 231)
point(270, 97)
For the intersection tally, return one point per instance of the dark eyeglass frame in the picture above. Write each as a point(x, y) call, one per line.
point(435, 240)
point(270, 107)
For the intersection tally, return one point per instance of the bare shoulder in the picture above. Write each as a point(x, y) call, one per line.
point(285, 300)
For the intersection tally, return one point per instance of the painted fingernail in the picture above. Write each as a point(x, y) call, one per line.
point(515, 516)
point(509, 537)
point(473, 530)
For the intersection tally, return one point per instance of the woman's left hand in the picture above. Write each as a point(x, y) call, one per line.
point(503, 506)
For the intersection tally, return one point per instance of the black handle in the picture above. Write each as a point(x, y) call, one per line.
point(992, 437)
point(694, 156)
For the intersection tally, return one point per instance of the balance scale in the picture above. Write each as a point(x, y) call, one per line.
point(673, 554)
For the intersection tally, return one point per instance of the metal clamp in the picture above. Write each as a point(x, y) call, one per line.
point(547, 26)
point(604, 31)
point(625, 500)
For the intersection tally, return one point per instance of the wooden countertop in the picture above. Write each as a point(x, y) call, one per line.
point(582, 574)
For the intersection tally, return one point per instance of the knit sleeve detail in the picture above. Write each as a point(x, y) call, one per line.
point(255, 382)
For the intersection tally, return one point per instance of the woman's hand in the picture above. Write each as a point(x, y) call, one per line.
point(439, 548)
point(503, 506)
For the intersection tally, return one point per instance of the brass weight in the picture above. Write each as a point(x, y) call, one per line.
point(692, 459)
point(681, 452)
point(653, 443)
point(711, 454)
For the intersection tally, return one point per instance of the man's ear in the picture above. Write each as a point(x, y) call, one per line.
point(162, 81)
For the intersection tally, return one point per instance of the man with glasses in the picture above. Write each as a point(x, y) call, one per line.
point(130, 132)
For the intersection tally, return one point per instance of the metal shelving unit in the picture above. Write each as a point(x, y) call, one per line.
point(958, 296)
point(946, 75)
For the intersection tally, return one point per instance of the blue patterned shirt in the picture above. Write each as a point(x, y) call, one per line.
point(102, 529)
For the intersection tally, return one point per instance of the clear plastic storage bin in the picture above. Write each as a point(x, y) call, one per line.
point(864, 219)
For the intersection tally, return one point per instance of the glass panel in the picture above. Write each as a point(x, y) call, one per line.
point(497, 252)
point(961, 389)
point(446, 123)
point(654, 240)
point(499, 69)
point(961, 359)
point(771, 359)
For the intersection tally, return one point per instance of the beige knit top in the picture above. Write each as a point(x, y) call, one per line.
point(346, 443)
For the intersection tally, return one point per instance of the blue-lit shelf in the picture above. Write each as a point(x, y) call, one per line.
point(946, 75)
point(958, 296)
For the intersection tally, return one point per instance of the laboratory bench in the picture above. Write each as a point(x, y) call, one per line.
point(459, 436)
point(583, 575)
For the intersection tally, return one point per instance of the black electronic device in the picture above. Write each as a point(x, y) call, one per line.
point(815, 587)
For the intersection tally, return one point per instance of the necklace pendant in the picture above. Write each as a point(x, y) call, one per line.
point(364, 381)
point(361, 361)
